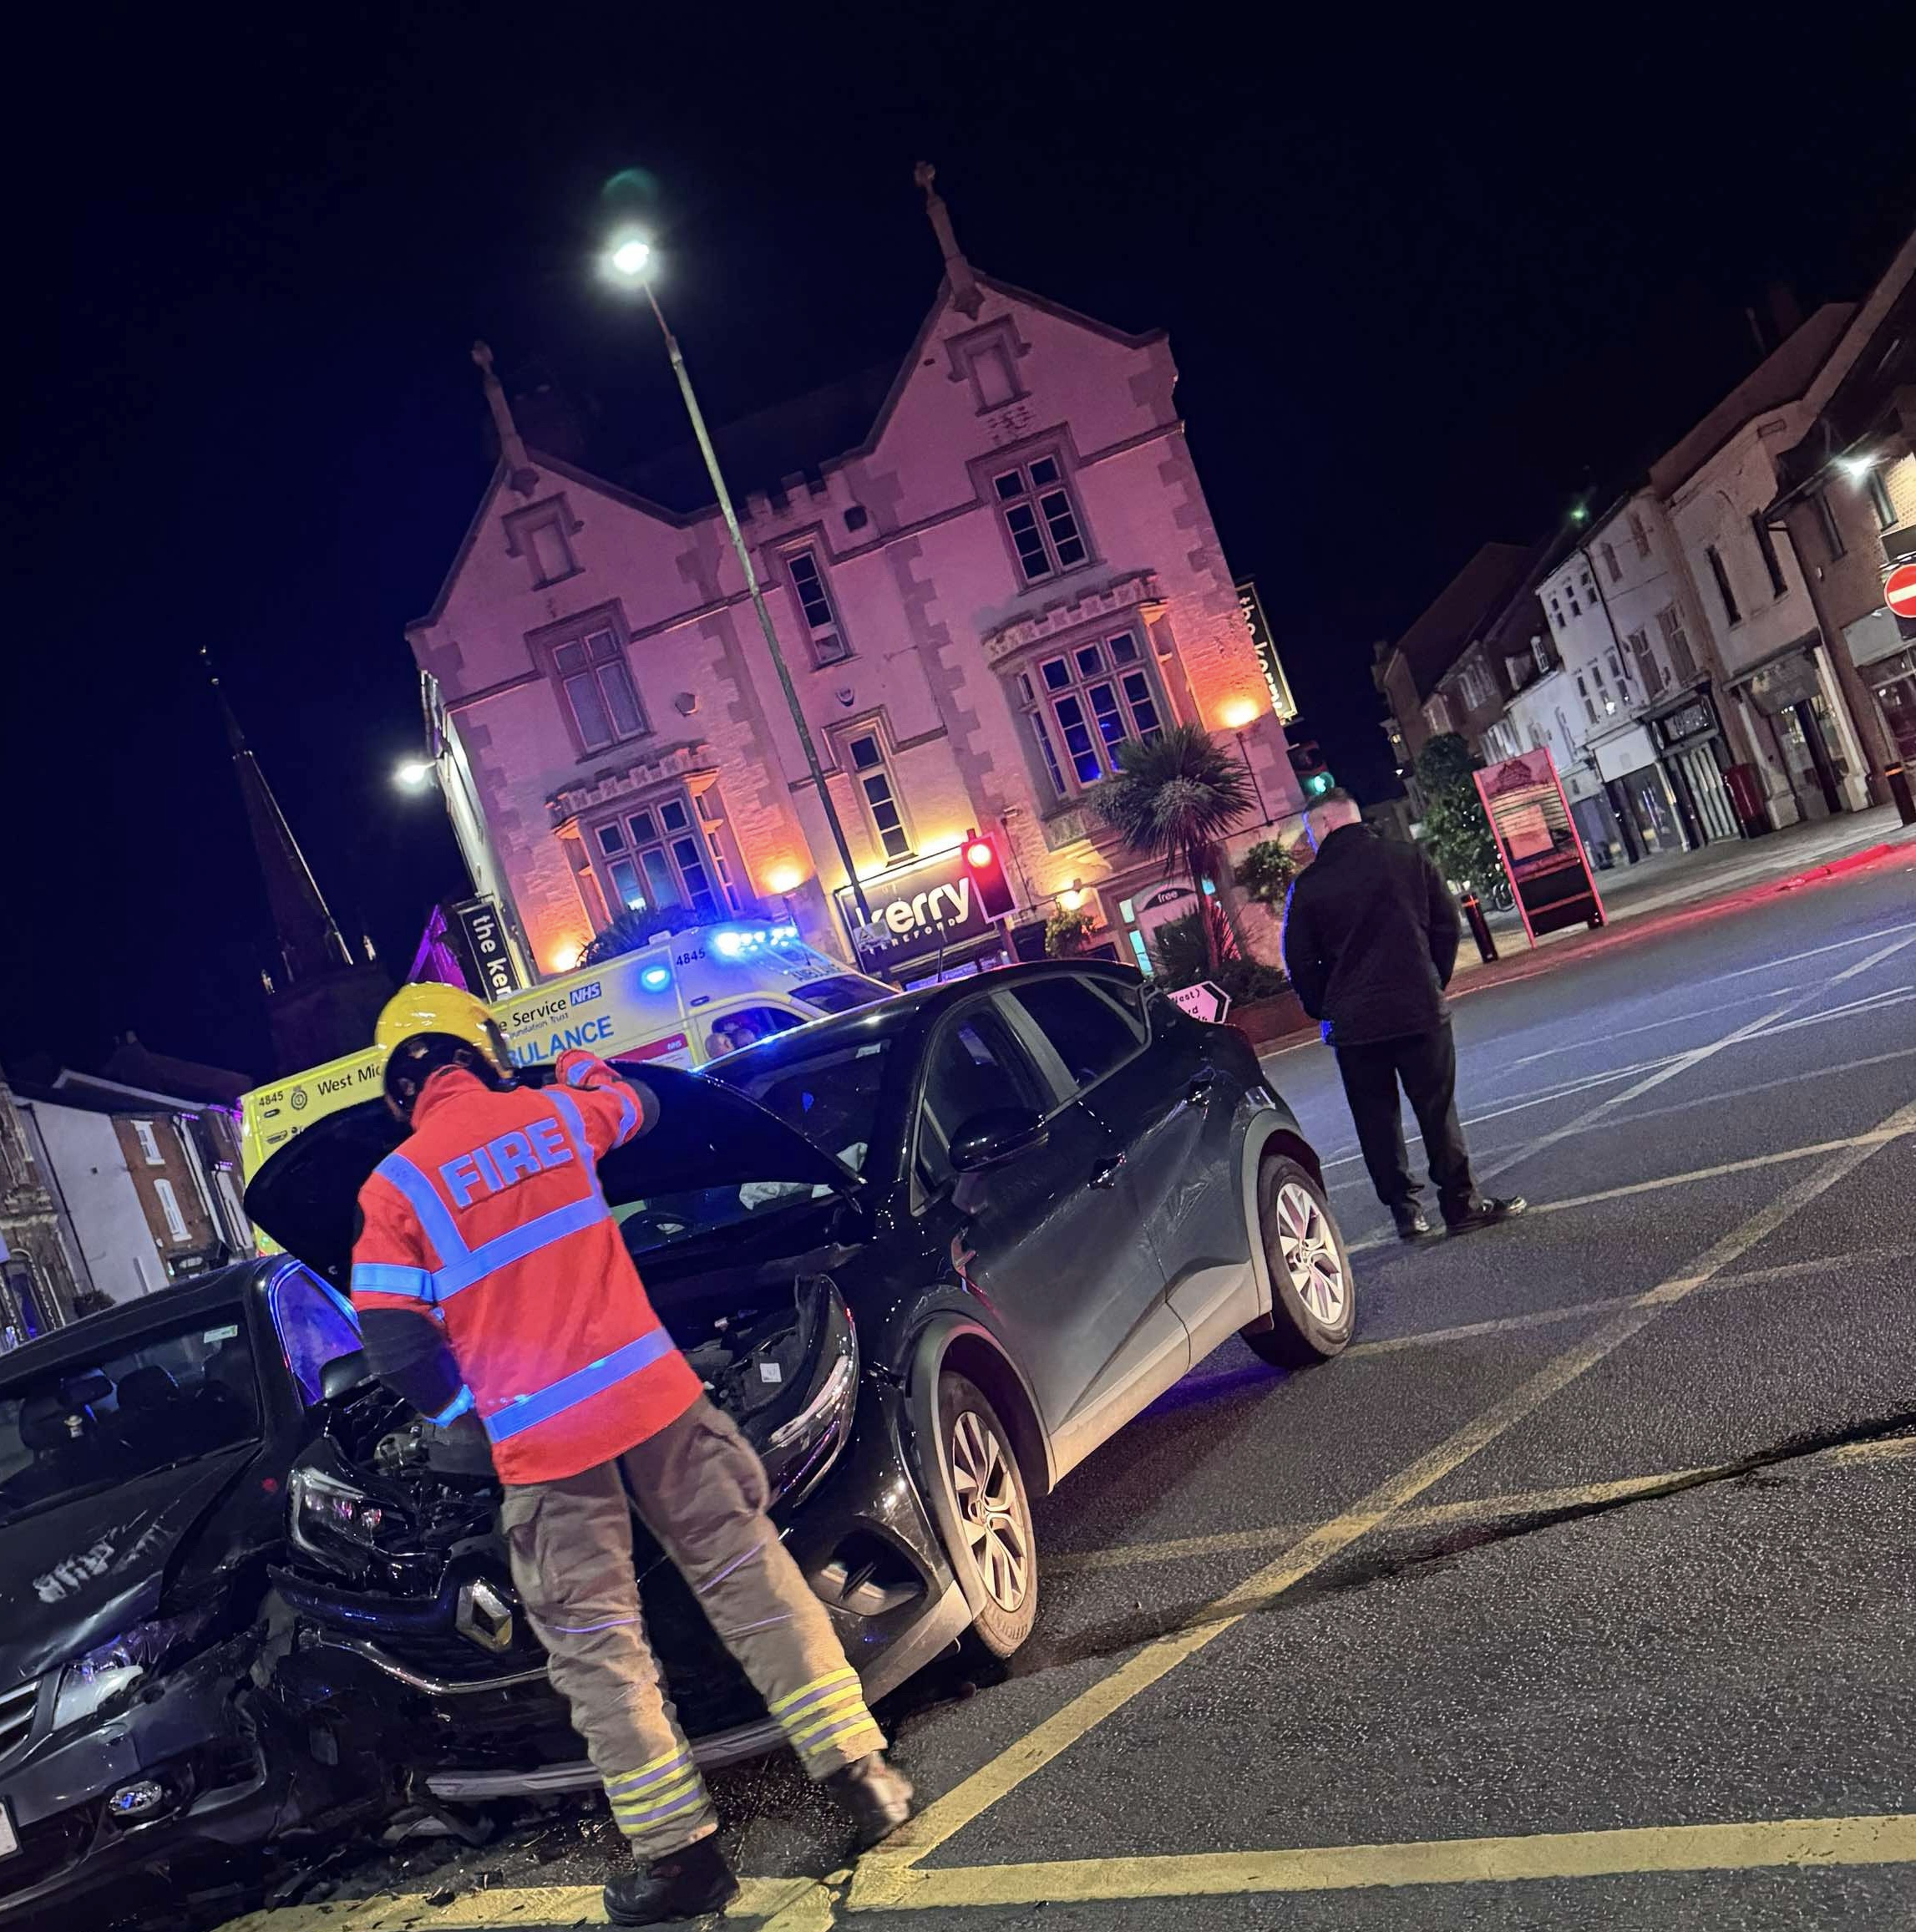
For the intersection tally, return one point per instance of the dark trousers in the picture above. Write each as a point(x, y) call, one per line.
point(1426, 1065)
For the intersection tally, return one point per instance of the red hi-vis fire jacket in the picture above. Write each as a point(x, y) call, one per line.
point(490, 1221)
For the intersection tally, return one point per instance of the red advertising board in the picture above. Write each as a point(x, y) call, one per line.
point(1542, 856)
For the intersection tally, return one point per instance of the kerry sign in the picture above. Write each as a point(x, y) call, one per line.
point(917, 915)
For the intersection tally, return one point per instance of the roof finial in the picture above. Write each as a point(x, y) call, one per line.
point(965, 293)
point(519, 469)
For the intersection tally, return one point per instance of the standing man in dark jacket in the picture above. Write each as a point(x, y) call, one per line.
point(1369, 938)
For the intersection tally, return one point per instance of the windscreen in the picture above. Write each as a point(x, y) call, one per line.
point(167, 1398)
point(831, 1098)
point(842, 993)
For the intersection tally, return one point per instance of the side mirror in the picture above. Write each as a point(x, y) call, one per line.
point(343, 1374)
point(996, 1136)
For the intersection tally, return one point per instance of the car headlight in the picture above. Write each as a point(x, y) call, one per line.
point(325, 1511)
point(799, 1449)
point(105, 1672)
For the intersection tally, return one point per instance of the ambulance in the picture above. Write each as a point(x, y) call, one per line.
point(685, 998)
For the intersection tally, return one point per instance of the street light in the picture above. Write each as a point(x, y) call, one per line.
point(1236, 715)
point(630, 260)
point(413, 775)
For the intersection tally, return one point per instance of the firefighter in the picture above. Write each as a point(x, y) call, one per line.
point(489, 1274)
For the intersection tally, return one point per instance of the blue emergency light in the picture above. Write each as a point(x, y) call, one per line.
point(654, 979)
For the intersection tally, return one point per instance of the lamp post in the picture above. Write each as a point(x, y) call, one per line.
point(1237, 715)
point(629, 261)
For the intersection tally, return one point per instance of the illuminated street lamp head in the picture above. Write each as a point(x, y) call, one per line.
point(1238, 713)
point(412, 775)
point(630, 258)
point(1855, 468)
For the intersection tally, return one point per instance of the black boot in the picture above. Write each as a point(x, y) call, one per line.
point(1412, 1224)
point(1486, 1211)
point(874, 1795)
point(682, 1885)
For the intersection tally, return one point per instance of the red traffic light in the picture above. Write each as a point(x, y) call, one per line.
point(987, 871)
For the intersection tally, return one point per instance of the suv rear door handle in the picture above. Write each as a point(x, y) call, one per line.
point(1201, 1083)
point(1105, 1173)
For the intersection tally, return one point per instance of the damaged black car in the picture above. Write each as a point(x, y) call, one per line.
point(929, 1255)
point(143, 1455)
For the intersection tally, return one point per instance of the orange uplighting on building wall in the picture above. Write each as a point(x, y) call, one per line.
point(783, 879)
point(1238, 712)
point(563, 959)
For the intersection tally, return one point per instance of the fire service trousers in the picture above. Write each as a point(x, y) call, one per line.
point(700, 1488)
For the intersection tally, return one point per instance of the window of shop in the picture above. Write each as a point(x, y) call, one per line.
point(865, 756)
point(1081, 705)
point(1767, 549)
point(826, 634)
point(542, 533)
point(596, 690)
point(1474, 685)
point(1682, 659)
point(1648, 670)
point(1590, 702)
point(169, 1207)
point(1731, 609)
point(657, 861)
point(1638, 536)
point(1832, 531)
point(1608, 551)
point(1040, 518)
point(1879, 499)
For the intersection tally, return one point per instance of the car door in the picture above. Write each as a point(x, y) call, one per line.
point(1142, 1072)
point(1051, 1240)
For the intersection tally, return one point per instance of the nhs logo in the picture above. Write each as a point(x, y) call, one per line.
point(581, 994)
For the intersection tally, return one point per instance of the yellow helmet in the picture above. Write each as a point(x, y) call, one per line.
point(446, 1014)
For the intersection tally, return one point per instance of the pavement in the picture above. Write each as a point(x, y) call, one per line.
point(1576, 1593)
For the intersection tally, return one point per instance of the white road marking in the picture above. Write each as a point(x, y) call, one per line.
point(1651, 1026)
point(1694, 1057)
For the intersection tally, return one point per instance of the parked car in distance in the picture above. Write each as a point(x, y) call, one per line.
point(931, 1255)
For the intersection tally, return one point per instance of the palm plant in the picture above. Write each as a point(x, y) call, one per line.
point(632, 929)
point(1174, 799)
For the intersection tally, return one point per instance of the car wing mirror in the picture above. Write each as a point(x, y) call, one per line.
point(998, 1134)
point(343, 1374)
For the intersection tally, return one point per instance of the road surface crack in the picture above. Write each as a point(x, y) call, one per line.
point(1441, 1552)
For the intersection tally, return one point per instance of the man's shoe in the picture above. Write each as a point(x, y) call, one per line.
point(875, 1794)
point(682, 1885)
point(1412, 1224)
point(1486, 1211)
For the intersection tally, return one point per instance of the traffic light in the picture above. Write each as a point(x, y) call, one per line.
point(987, 873)
point(1307, 761)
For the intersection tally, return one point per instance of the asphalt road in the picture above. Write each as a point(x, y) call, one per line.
point(1578, 1593)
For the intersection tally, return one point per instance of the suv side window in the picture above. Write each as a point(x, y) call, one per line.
point(975, 1064)
point(314, 1326)
point(1092, 1034)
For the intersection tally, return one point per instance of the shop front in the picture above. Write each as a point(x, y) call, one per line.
point(1789, 691)
point(1640, 795)
point(1689, 738)
point(928, 923)
point(1886, 660)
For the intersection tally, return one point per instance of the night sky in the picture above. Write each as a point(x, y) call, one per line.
point(1421, 290)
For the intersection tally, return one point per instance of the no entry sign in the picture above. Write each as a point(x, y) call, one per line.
point(1899, 590)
